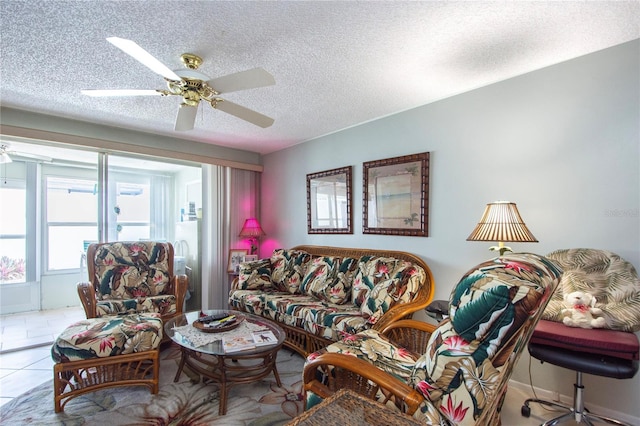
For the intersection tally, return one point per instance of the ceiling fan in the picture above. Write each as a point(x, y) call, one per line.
point(193, 86)
point(6, 154)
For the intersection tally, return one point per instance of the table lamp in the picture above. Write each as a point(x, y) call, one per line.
point(252, 230)
point(501, 222)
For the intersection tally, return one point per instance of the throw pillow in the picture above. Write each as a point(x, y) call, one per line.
point(329, 279)
point(399, 288)
point(371, 270)
point(255, 275)
point(288, 269)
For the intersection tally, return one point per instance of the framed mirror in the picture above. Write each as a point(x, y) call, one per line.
point(396, 196)
point(329, 202)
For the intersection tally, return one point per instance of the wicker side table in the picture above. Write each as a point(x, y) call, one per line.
point(347, 408)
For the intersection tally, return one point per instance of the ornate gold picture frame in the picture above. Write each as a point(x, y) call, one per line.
point(396, 196)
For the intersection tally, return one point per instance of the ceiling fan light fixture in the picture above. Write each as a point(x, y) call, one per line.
point(194, 86)
point(5, 159)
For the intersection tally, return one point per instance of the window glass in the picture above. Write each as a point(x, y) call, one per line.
point(72, 219)
point(13, 234)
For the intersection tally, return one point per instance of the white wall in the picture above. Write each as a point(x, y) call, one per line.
point(562, 142)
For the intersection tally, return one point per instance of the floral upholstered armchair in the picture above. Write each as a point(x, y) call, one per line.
point(455, 373)
point(132, 277)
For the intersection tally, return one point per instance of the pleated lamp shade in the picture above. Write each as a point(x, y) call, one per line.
point(501, 222)
point(251, 229)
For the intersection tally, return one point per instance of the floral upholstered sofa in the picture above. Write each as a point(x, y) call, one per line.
point(320, 294)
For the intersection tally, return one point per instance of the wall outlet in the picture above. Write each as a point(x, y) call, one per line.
point(556, 396)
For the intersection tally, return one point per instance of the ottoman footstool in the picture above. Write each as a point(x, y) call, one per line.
point(105, 352)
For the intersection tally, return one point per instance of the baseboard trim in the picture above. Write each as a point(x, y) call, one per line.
point(568, 400)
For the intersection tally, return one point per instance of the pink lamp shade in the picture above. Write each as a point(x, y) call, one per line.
point(251, 229)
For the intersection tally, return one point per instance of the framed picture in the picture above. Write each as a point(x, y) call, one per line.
point(250, 258)
point(236, 257)
point(396, 196)
point(329, 202)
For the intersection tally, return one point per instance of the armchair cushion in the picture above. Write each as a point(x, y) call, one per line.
point(371, 346)
point(165, 304)
point(129, 270)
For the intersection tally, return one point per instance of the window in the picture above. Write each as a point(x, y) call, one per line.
point(13, 225)
point(71, 218)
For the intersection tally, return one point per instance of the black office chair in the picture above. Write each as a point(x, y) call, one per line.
point(610, 352)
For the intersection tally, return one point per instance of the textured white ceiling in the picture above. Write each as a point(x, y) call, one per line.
point(336, 64)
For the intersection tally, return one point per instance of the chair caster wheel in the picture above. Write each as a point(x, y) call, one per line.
point(525, 411)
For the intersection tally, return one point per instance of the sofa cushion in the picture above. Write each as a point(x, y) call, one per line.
point(319, 318)
point(371, 270)
point(126, 270)
point(288, 268)
point(400, 287)
point(255, 275)
point(329, 279)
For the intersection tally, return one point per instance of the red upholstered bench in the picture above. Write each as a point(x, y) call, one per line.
point(594, 340)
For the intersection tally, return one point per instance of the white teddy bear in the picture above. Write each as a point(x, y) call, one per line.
point(580, 309)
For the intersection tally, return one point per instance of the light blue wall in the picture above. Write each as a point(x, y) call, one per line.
point(562, 142)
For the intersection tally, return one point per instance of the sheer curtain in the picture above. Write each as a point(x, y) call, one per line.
point(229, 197)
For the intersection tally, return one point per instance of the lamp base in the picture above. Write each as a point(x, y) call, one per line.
point(501, 248)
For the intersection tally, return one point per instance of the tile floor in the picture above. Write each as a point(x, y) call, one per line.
point(25, 342)
point(23, 369)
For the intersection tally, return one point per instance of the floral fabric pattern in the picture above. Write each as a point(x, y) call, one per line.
point(371, 270)
point(288, 267)
point(126, 270)
point(329, 279)
point(470, 356)
point(255, 275)
point(108, 336)
point(315, 294)
point(370, 346)
point(401, 287)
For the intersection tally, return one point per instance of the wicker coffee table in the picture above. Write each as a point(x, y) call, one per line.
point(347, 408)
point(210, 359)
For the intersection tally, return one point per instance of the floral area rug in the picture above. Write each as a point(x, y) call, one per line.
point(184, 403)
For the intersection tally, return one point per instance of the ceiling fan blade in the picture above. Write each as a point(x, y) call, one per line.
point(145, 58)
point(244, 113)
point(121, 92)
point(249, 79)
point(186, 117)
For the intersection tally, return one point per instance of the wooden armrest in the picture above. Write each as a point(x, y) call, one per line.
point(88, 298)
point(331, 363)
point(180, 287)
